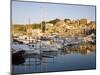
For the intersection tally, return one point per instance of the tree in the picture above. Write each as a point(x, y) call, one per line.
point(66, 20)
point(43, 26)
point(54, 21)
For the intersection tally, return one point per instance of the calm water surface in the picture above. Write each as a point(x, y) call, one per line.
point(59, 61)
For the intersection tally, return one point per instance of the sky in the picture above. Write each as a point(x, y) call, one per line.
point(37, 12)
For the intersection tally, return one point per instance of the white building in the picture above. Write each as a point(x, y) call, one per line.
point(48, 25)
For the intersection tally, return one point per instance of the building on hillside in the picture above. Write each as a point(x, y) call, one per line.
point(93, 23)
point(83, 21)
point(48, 25)
point(61, 23)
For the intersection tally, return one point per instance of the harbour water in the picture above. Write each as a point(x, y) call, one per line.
point(58, 61)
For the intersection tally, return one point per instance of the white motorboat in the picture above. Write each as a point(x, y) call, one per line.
point(27, 48)
point(45, 46)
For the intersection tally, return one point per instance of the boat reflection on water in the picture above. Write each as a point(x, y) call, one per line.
point(82, 48)
point(18, 58)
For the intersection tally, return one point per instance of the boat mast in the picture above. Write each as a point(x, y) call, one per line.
point(29, 33)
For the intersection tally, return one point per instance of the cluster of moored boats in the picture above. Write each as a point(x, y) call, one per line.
point(40, 46)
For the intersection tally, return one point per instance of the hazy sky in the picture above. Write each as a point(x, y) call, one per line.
point(37, 12)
